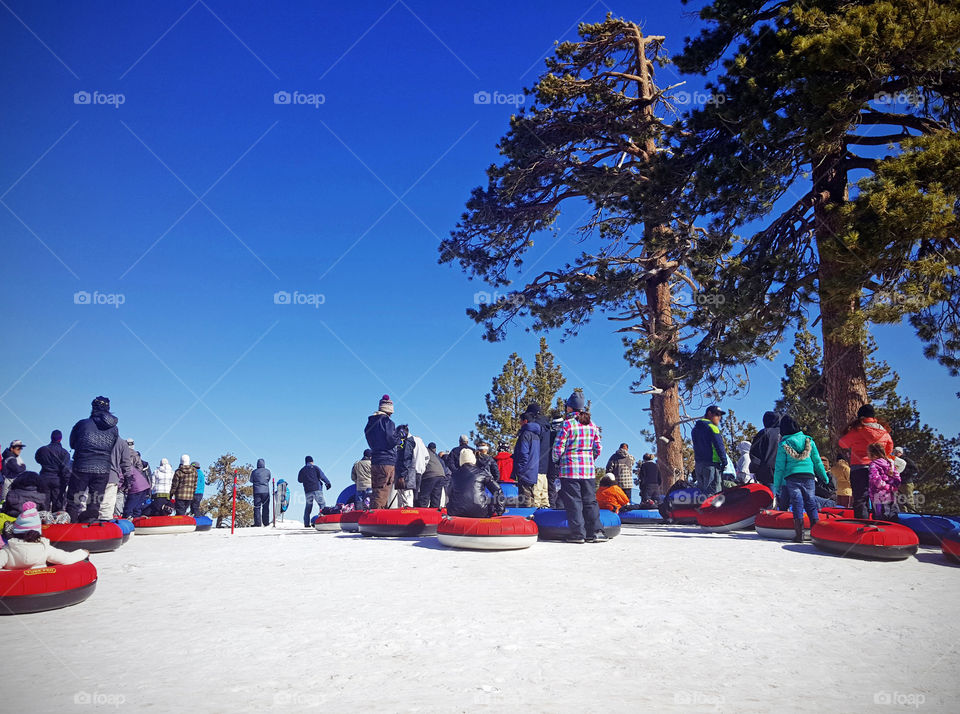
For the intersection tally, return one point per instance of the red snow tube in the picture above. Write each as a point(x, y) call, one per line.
point(839, 512)
point(153, 525)
point(350, 521)
point(49, 588)
point(329, 523)
point(735, 509)
point(779, 524)
point(400, 522)
point(875, 540)
point(501, 533)
point(951, 546)
point(97, 537)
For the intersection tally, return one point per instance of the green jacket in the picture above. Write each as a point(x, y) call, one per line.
point(788, 465)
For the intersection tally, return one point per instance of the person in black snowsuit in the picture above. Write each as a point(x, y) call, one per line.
point(431, 482)
point(486, 462)
point(54, 463)
point(649, 480)
point(26, 487)
point(553, 468)
point(763, 450)
point(468, 490)
point(311, 477)
point(260, 478)
point(405, 472)
point(92, 440)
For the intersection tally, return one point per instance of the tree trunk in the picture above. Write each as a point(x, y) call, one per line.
point(840, 289)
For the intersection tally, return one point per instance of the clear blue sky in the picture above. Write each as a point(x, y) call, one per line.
point(198, 198)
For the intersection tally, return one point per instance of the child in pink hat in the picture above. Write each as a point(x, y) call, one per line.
point(27, 549)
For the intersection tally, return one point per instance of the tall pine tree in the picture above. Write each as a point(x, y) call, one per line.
point(220, 504)
point(546, 378)
point(505, 401)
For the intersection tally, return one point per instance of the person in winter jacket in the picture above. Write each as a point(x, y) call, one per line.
point(553, 468)
point(13, 465)
point(185, 485)
point(121, 465)
point(798, 463)
point(610, 496)
point(431, 483)
point(162, 481)
point(311, 476)
point(260, 478)
point(195, 507)
point(27, 549)
point(650, 480)
point(382, 438)
point(710, 458)
point(620, 465)
point(360, 475)
point(54, 463)
point(826, 493)
point(908, 474)
point(884, 483)
point(865, 430)
point(468, 490)
point(28, 487)
point(92, 440)
point(543, 497)
point(576, 450)
point(526, 460)
point(136, 490)
point(504, 461)
point(486, 461)
point(840, 475)
point(453, 457)
point(743, 463)
point(763, 450)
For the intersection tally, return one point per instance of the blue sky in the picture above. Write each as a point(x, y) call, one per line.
point(179, 186)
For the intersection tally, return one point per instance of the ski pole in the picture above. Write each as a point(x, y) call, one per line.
point(274, 482)
point(233, 518)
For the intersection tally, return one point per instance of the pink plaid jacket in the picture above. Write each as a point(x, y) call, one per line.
point(576, 449)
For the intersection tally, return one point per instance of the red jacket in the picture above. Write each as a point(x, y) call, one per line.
point(860, 437)
point(505, 465)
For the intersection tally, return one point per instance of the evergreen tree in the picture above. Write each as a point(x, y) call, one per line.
point(506, 401)
point(546, 378)
point(220, 504)
point(734, 431)
point(802, 392)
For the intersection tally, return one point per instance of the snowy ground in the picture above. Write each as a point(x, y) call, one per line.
point(661, 619)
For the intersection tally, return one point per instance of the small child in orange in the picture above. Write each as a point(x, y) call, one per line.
point(610, 496)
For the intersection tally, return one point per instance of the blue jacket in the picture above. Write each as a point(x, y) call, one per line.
point(201, 482)
point(92, 441)
point(260, 478)
point(526, 454)
point(310, 476)
point(54, 462)
point(707, 443)
point(382, 439)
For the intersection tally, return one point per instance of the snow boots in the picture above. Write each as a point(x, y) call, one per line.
point(798, 529)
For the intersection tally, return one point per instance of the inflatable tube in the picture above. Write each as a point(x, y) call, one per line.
point(522, 512)
point(500, 533)
point(872, 540)
point(779, 524)
point(641, 517)
point(126, 526)
point(160, 525)
point(350, 521)
point(204, 523)
point(930, 529)
point(735, 509)
point(951, 546)
point(348, 495)
point(97, 537)
point(839, 512)
point(511, 494)
point(680, 506)
point(400, 522)
point(49, 588)
point(553, 524)
point(329, 523)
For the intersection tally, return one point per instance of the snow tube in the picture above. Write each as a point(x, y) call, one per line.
point(735, 509)
point(779, 524)
point(49, 588)
point(522, 512)
point(553, 524)
point(511, 494)
point(499, 533)
point(329, 523)
point(951, 546)
point(350, 521)
point(97, 537)
point(839, 512)
point(680, 506)
point(126, 526)
point(641, 517)
point(930, 529)
point(400, 522)
point(348, 495)
point(204, 523)
point(154, 525)
point(874, 540)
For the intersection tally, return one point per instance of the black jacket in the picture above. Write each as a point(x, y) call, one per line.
point(763, 450)
point(54, 462)
point(650, 474)
point(489, 464)
point(92, 441)
point(28, 486)
point(453, 458)
point(468, 493)
point(310, 476)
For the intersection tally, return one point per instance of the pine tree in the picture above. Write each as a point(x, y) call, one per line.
point(734, 431)
point(546, 378)
point(802, 391)
point(220, 504)
point(506, 401)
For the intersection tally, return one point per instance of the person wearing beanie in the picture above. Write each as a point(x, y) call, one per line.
point(856, 439)
point(543, 495)
point(576, 450)
point(54, 463)
point(798, 464)
point(361, 475)
point(311, 476)
point(469, 487)
point(92, 440)
point(504, 461)
point(383, 440)
point(195, 507)
point(260, 478)
point(162, 480)
point(526, 460)
point(709, 456)
point(763, 449)
point(27, 549)
point(184, 485)
point(610, 496)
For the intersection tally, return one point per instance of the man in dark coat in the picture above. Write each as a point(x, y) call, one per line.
point(649, 480)
point(12, 467)
point(381, 435)
point(453, 458)
point(543, 494)
point(526, 459)
point(763, 450)
point(431, 482)
point(54, 463)
point(311, 477)
point(92, 440)
point(260, 478)
point(468, 490)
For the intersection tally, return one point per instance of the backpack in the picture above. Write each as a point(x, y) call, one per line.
point(283, 492)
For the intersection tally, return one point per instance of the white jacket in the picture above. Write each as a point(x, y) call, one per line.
point(162, 477)
point(21, 555)
point(421, 456)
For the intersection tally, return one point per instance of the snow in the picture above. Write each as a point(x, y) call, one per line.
point(660, 618)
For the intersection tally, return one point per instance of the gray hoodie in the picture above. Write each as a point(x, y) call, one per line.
point(260, 478)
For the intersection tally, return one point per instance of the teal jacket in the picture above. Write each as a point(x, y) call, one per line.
point(788, 465)
point(201, 478)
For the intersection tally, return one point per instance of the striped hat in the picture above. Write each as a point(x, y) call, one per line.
point(28, 520)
